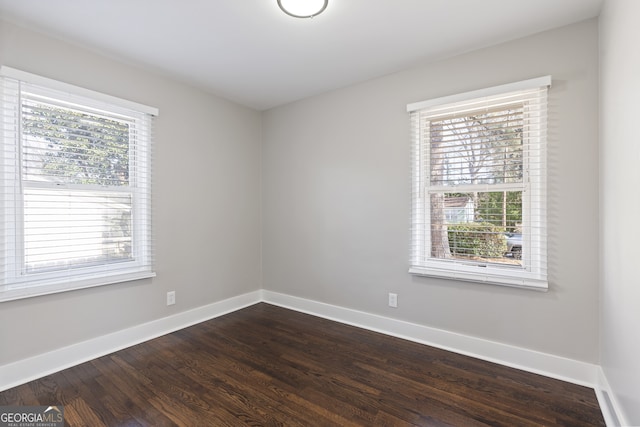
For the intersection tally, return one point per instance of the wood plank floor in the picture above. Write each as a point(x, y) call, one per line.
point(265, 365)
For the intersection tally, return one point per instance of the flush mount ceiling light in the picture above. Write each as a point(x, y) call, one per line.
point(303, 8)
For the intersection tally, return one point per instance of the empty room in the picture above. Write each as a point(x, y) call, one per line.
point(319, 213)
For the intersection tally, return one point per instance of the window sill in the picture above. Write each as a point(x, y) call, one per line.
point(490, 276)
point(16, 292)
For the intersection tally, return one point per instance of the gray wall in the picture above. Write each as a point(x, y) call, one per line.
point(206, 202)
point(336, 187)
point(335, 200)
point(620, 203)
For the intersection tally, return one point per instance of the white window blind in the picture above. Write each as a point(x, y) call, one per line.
point(76, 187)
point(479, 185)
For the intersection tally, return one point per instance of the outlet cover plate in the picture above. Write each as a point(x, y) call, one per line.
point(171, 297)
point(393, 300)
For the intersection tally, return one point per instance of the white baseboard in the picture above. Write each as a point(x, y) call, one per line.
point(22, 371)
point(549, 365)
point(611, 409)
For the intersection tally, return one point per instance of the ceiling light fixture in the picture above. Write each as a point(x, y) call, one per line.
point(303, 8)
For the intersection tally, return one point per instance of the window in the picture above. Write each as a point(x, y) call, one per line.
point(75, 187)
point(479, 185)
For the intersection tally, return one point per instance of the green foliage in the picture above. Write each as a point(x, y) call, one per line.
point(75, 146)
point(490, 206)
point(477, 239)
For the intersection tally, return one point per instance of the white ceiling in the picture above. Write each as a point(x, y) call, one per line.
point(250, 52)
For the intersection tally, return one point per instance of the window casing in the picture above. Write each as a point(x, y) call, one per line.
point(75, 188)
point(479, 185)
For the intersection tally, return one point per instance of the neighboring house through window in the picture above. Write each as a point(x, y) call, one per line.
point(479, 185)
point(75, 187)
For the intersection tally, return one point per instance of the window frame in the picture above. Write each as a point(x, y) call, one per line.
point(15, 281)
point(533, 273)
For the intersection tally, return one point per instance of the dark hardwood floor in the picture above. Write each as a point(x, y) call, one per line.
point(265, 365)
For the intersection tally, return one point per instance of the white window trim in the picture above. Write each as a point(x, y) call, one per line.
point(481, 93)
point(535, 276)
point(35, 79)
point(48, 283)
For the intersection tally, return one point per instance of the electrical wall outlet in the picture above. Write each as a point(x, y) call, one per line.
point(171, 297)
point(393, 300)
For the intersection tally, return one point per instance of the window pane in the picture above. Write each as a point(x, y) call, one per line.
point(479, 148)
point(481, 226)
point(76, 193)
point(66, 229)
point(66, 145)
